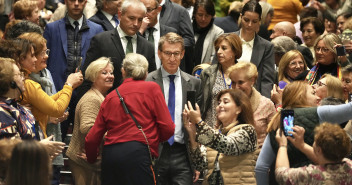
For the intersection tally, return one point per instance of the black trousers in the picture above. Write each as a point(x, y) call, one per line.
point(126, 164)
point(173, 166)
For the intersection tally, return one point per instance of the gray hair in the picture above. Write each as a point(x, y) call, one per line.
point(134, 3)
point(135, 66)
point(283, 44)
point(96, 66)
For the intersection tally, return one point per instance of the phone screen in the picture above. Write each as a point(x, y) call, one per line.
point(287, 118)
point(191, 96)
point(341, 51)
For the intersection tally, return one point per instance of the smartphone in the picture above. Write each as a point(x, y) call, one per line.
point(341, 51)
point(287, 118)
point(191, 97)
point(349, 97)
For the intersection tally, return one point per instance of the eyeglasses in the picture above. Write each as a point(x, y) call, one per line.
point(293, 63)
point(149, 10)
point(320, 84)
point(323, 50)
point(169, 54)
point(45, 52)
point(21, 74)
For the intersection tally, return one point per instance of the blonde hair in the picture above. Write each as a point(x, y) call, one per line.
point(24, 8)
point(96, 66)
point(285, 62)
point(330, 40)
point(38, 40)
point(249, 68)
point(348, 24)
point(334, 86)
point(293, 96)
point(135, 66)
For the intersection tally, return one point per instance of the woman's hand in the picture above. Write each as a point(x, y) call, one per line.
point(59, 119)
point(298, 137)
point(189, 126)
point(193, 115)
point(281, 138)
point(54, 148)
point(276, 95)
point(75, 79)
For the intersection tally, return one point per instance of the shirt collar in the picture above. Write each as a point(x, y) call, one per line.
point(80, 21)
point(165, 74)
point(107, 15)
point(250, 43)
point(123, 34)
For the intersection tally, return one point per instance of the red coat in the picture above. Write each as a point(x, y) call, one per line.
point(146, 102)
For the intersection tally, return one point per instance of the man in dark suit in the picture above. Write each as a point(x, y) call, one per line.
point(118, 42)
point(68, 40)
point(106, 15)
point(151, 28)
point(286, 28)
point(173, 166)
point(176, 16)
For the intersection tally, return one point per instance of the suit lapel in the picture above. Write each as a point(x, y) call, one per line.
point(257, 52)
point(186, 86)
point(115, 37)
point(104, 21)
point(158, 78)
point(206, 44)
point(63, 35)
point(165, 12)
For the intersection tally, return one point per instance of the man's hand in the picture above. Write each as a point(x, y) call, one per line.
point(144, 25)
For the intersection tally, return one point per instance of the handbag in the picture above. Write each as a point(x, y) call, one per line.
point(137, 124)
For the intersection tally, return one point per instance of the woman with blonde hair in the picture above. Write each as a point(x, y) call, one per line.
point(26, 10)
point(243, 76)
point(326, 59)
point(100, 73)
point(328, 86)
point(291, 65)
point(300, 97)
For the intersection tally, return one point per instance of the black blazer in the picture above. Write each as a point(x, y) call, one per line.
point(100, 19)
point(228, 24)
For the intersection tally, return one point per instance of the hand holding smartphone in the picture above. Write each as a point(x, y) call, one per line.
point(287, 120)
point(340, 51)
point(191, 97)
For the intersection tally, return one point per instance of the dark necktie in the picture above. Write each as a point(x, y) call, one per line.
point(76, 30)
point(129, 46)
point(117, 22)
point(151, 36)
point(171, 103)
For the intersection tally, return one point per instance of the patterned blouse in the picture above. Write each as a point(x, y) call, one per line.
point(242, 141)
point(219, 85)
point(329, 174)
point(15, 120)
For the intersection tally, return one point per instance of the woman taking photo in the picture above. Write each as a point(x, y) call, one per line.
point(205, 31)
point(214, 78)
point(326, 59)
point(100, 73)
point(243, 76)
point(230, 156)
point(256, 49)
point(331, 146)
point(300, 97)
point(125, 151)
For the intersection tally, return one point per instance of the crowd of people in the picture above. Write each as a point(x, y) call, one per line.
point(168, 92)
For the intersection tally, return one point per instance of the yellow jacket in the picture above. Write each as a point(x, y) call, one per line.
point(43, 105)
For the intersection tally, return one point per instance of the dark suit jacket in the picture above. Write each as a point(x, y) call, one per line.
point(108, 44)
point(164, 30)
point(100, 19)
point(56, 35)
point(263, 58)
point(188, 82)
point(228, 24)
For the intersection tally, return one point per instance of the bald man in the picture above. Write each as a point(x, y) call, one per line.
point(286, 28)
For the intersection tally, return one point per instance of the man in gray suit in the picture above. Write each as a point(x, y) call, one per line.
point(173, 166)
point(151, 28)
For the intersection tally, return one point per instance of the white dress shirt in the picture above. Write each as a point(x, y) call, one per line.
point(156, 35)
point(124, 40)
point(247, 49)
point(178, 137)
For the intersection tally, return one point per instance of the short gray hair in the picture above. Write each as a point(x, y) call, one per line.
point(135, 66)
point(96, 66)
point(134, 3)
point(283, 44)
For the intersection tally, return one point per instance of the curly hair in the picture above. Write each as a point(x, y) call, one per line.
point(333, 141)
point(24, 8)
